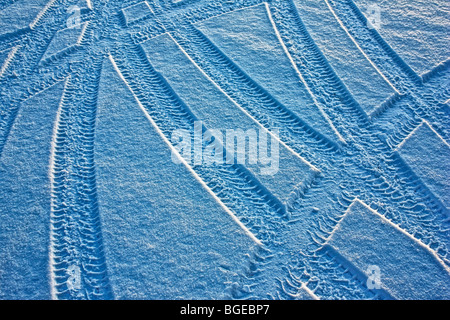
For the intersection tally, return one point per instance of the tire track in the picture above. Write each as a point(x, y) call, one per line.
point(171, 19)
point(366, 166)
point(411, 206)
point(329, 277)
point(82, 41)
point(368, 154)
point(323, 270)
point(369, 170)
point(387, 185)
point(40, 82)
point(257, 102)
point(392, 67)
point(350, 275)
point(329, 92)
point(385, 60)
point(424, 105)
point(314, 268)
point(434, 93)
point(365, 171)
point(253, 205)
point(15, 87)
point(253, 273)
point(77, 261)
point(390, 188)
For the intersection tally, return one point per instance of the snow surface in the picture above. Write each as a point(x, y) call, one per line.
point(20, 15)
point(217, 111)
point(25, 198)
point(153, 213)
point(365, 84)
point(365, 238)
point(433, 170)
point(417, 30)
point(92, 205)
point(65, 40)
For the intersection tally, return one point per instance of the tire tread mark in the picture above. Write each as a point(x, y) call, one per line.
point(257, 208)
point(269, 112)
point(76, 235)
point(327, 88)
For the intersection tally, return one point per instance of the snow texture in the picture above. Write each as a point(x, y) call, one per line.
point(97, 201)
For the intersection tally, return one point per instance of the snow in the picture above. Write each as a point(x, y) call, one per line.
point(20, 16)
point(408, 269)
point(363, 81)
point(217, 111)
point(250, 41)
point(97, 201)
point(25, 199)
point(412, 26)
point(64, 41)
point(427, 154)
point(156, 218)
point(136, 12)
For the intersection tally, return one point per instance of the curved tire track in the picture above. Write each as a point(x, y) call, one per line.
point(78, 266)
point(233, 184)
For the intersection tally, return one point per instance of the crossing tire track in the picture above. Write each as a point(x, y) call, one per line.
point(233, 184)
point(255, 100)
